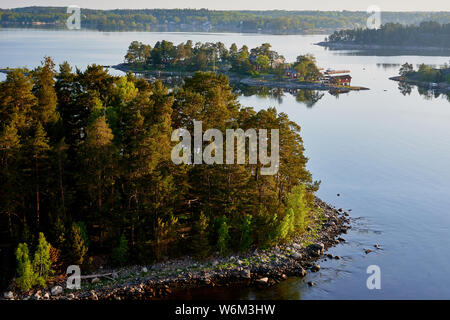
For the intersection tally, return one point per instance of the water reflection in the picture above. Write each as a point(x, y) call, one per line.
point(390, 52)
point(307, 97)
point(427, 93)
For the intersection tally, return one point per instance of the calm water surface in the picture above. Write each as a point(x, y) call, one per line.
point(387, 154)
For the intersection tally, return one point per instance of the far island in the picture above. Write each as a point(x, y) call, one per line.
point(425, 76)
point(428, 36)
point(258, 66)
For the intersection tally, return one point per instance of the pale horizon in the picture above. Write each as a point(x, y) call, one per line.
point(260, 5)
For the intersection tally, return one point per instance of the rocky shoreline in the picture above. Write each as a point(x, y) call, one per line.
point(256, 268)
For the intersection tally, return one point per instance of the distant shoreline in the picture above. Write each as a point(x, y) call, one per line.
point(359, 46)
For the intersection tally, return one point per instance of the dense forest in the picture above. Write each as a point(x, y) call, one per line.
point(273, 21)
point(426, 34)
point(216, 57)
point(86, 172)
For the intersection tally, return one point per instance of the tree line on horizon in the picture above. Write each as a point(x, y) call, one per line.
point(86, 171)
point(270, 21)
point(426, 34)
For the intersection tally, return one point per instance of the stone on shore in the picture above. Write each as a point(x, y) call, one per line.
point(296, 256)
point(315, 268)
point(302, 272)
point(56, 290)
point(245, 274)
point(315, 249)
point(8, 295)
point(262, 280)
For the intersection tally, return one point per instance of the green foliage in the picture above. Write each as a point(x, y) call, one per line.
point(246, 232)
point(84, 233)
point(425, 34)
point(42, 262)
point(37, 272)
point(426, 73)
point(119, 254)
point(200, 237)
point(287, 225)
point(25, 274)
point(77, 248)
point(306, 67)
point(297, 204)
point(406, 69)
point(223, 236)
point(272, 21)
point(59, 232)
point(106, 164)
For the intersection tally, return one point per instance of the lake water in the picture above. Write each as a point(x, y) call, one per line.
point(386, 154)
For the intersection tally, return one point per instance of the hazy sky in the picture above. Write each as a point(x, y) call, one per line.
point(361, 5)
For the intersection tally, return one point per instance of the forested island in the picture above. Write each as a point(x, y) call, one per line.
point(190, 57)
point(87, 180)
point(427, 35)
point(271, 21)
point(259, 66)
point(425, 77)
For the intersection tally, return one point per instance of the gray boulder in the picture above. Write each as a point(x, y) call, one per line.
point(8, 295)
point(56, 290)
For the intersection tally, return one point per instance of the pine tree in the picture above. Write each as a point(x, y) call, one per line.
point(223, 236)
point(44, 90)
point(119, 254)
point(246, 232)
point(9, 154)
point(39, 147)
point(17, 99)
point(77, 247)
point(25, 274)
point(42, 262)
point(200, 237)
